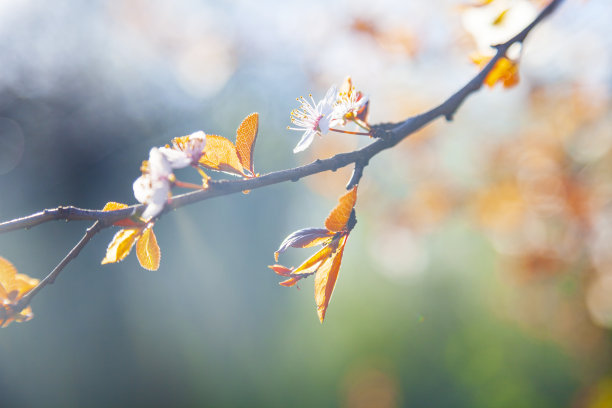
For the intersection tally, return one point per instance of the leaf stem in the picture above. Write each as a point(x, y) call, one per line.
point(349, 132)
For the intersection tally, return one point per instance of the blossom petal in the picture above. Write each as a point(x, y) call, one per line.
point(159, 166)
point(157, 199)
point(142, 188)
point(176, 158)
point(305, 141)
point(192, 146)
point(152, 210)
point(196, 145)
point(331, 96)
point(325, 123)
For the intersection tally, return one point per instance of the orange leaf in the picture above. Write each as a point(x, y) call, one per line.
point(121, 245)
point(22, 284)
point(339, 216)
point(504, 71)
point(11, 281)
point(290, 282)
point(220, 154)
point(7, 272)
point(309, 266)
point(325, 279)
point(126, 222)
point(245, 140)
point(281, 270)
point(9, 315)
point(147, 250)
point(112, 206)
point(13, 286)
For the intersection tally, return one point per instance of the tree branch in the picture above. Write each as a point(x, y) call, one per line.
point(65, 213)
point(387, 135)
point(50, 278)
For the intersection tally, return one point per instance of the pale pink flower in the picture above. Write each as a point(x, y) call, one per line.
point(348, 106)
point(153, 187)
point(313, 118)
point(185, 150)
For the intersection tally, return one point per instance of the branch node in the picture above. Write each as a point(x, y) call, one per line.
point(357, 173)
point(382, 131)
point(352, 221)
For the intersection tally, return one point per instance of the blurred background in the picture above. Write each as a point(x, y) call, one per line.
point(480, 270)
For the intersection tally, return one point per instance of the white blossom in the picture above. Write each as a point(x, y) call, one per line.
point(153, 187)
point(186, 150)
point(348, 107)
point(313, 118)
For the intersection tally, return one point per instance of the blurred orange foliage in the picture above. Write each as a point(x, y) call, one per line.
point(13, 286)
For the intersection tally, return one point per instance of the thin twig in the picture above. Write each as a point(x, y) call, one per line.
point(349, 132)
point(50, 278)
point(357, 174)
point(66, 213)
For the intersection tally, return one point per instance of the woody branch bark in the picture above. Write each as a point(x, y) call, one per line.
point(50, 278)
point(387, 135)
